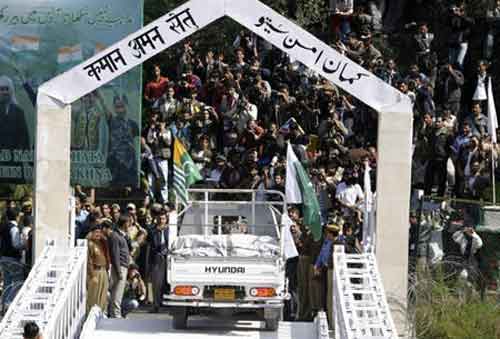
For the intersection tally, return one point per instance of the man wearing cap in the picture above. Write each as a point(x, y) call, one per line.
point(304, 270)
point(325, 261)
point(97, 269)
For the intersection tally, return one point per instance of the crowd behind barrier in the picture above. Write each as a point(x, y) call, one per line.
point(235, 110)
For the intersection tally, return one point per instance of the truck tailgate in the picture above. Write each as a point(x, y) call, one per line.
point(208, 271)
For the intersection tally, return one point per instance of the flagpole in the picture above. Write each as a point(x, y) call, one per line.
point(493, 173)
point(492, 131)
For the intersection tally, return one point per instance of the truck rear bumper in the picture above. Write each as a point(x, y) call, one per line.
point(219, 304)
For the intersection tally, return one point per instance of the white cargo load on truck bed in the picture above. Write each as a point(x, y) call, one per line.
point(233, 245)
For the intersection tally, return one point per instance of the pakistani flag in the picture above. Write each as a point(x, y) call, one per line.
point(299, 190)
point(185, 171)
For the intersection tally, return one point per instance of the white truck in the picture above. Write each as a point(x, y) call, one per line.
point(227, 252)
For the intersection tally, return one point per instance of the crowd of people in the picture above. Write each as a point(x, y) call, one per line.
point(236, 110)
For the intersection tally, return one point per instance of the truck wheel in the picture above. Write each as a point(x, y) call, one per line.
point(180, 318)
point(272, 324)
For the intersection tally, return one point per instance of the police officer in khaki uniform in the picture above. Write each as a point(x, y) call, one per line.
point(324, 263)
point(304, 271)
point(318, 283)
point(310, 290)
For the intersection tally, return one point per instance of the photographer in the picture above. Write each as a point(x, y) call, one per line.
point(450, 85)
point(250, 137)
point(332, 127)
point(307, 109)
point(135, 291)
point(186, 59)
point(169, 105)
point(324, 191)
point(212, 91)
point(246, 111)
point(206, 124)
point(259, 93)
point(229, 105)
point(470, 243)
point(423, 42)
point(493, 28)
point(458, 40)
point(389, 73)
point(202, 155)
point(282, 103)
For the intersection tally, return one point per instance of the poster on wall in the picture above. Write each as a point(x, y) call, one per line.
point(40, 39)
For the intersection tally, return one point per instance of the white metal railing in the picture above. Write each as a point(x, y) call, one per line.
point(54, 295)
point(360, 303)
point(321, 326)
point(95, 315)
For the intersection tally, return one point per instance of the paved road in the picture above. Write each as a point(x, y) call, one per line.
point(217, 325)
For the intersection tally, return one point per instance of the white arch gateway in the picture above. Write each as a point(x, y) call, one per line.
point(52, 167)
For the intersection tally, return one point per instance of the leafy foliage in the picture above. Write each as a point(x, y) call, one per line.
point(452, 310)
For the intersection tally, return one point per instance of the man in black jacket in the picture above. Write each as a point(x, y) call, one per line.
point(451, 84)
point(159, 250)
point(11, 244)
point(120, 257)
point(440, 152)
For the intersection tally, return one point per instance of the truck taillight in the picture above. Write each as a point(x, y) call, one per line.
point(186, 290)
point(263, 292)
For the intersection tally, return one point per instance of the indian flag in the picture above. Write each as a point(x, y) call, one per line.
point(21, 43)
point(300, 190)
point(185, 171)
point(69, 54)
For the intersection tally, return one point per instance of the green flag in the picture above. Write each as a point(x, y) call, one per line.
point(310, 202)
point(185, 171)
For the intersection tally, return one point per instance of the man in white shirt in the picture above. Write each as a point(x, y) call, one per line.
point(247, 111)
point(470, 243)
point(481, 85)
point(350, 196)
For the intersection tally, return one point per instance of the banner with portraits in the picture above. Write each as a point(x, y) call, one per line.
point(42, 39)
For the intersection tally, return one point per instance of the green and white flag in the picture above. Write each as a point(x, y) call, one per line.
point(185, 172)
point(300, 190)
